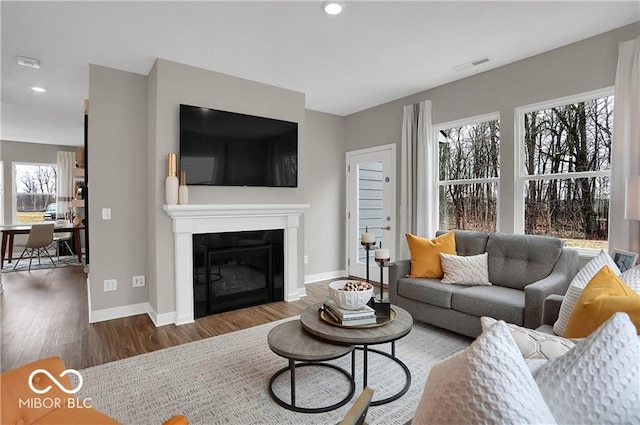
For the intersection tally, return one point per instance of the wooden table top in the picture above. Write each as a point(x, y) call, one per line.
point(290, 341)
point(396, 329)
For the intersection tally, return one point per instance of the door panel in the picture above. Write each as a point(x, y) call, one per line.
point(371, 206)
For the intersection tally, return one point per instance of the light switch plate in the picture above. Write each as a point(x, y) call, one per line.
point(106, 213)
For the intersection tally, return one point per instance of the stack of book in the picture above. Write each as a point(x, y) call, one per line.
point(363, 316)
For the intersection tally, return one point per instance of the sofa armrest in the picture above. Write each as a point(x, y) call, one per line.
point(556, 283)
point(551, 309)
point(397, 271)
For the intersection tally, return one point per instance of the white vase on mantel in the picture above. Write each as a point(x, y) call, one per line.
point(183, 190)
point(171, 183)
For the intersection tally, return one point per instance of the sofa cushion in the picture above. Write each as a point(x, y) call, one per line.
point(518, 260)
point(604, 295)
point(429, 291)
point(425, 254)
point(468, 242)
point(496, 301)
point(533, 344)
point(578, 284)
point(465, 270)
point(487, 383)
point(597, 381)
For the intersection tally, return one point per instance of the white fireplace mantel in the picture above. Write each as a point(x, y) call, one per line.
point(194, 219)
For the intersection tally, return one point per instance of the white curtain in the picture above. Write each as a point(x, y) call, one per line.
point(417, 179)
point(66, 163)
point(625, 156)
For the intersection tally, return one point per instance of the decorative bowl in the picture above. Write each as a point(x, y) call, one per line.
point(350, 300)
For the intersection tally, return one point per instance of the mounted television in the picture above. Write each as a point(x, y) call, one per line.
point(220, 148)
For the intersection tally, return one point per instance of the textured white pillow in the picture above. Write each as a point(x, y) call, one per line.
point(577, 286)
point(598, 381)
point(632, 278)
point(465, 270)
point(487, 383)
point(533, 344)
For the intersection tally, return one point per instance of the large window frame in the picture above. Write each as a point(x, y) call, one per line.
point(521, 178)
point(14, 185)
point(492, 116)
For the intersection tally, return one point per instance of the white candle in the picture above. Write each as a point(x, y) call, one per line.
point(382, 254)
point(368, 237)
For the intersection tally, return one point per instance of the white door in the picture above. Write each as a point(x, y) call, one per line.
point(371, 187)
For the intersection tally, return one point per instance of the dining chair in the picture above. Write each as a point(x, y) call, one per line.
point(40, 238)
point(60, 238)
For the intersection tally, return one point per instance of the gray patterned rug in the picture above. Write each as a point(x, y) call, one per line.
point(224, 380)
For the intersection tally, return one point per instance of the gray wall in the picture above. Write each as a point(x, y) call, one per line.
point(580, 67)
point(118, 180)
point(28, 153)
point(325, 188)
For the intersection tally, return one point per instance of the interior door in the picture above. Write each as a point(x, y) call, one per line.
point(371, 175)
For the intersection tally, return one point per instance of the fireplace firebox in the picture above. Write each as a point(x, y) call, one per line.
point(234, 270)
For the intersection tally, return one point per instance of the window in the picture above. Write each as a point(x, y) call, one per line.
point(468, 173)
point(565, 157)
point(35, 192)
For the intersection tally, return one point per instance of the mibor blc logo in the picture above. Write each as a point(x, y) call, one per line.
point(55, 381)
point(55, 402)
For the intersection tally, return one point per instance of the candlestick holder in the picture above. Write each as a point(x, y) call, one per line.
point(367, 247)
point(382, 306)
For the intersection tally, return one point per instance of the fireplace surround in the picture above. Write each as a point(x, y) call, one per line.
point(200, 218)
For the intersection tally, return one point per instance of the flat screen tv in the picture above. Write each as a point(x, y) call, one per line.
point(220, 148)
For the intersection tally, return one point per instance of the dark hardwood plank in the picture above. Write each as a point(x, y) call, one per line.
point(45, 313)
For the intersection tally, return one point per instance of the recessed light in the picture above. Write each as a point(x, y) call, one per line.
point(332, 7)
point(38, 89)
point(28, 62)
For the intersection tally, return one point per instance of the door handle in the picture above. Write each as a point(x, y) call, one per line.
point(386, 228)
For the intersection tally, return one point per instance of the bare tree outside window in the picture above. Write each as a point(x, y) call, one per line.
point(567, 161)
point(469, 164)
point(35, 190)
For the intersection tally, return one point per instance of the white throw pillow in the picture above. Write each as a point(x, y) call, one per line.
point(598, 381)
point(487, 383)
point(465, 270)
point(577, 286)
point(632, 278)
point(533, 344)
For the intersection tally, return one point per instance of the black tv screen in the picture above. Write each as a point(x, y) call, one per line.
point(221, 148)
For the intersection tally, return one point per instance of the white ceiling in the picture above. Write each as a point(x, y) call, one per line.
point(373, 53)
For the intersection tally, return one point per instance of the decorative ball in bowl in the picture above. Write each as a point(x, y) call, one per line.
point(350, 294)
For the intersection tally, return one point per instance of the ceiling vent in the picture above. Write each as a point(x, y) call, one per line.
point(28, 62)
point(471, 64)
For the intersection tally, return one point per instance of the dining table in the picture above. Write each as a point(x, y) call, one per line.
point(10, 230)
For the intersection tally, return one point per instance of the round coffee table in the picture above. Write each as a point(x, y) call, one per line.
point(362, 338)
point(290, 341)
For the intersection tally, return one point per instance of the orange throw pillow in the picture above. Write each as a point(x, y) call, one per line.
point(604, 295)
point(425, 254)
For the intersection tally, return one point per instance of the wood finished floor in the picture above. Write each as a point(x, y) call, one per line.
point(44, 313)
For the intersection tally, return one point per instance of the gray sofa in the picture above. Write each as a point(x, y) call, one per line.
point(523, 270)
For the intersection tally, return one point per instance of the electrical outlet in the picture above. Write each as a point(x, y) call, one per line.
point(306, 259)
point(138, 281)
point(110, 285)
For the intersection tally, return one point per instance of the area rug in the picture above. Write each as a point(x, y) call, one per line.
point(45, 263)
point(224, 380)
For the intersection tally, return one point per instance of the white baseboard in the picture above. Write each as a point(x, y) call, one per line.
point(324, 276)
point(118, 312)
point(160, 319)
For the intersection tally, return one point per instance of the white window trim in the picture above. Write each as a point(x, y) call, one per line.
point(14, 185)
point(519, 170)
point(435, 154)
